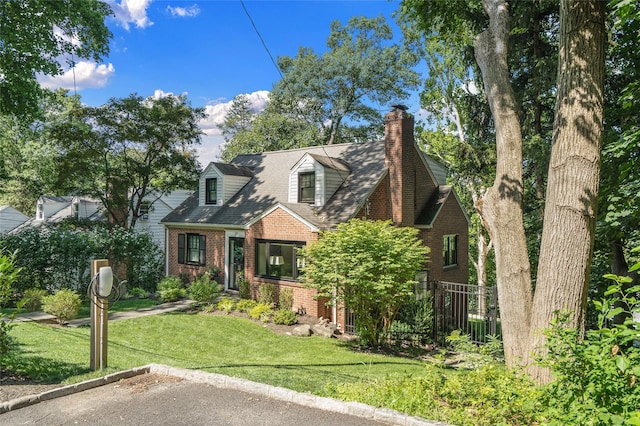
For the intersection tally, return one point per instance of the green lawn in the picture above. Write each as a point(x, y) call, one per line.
point(222, 344)
point(117, 306)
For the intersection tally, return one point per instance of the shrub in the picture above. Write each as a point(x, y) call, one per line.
point(204, 290)
point(245, 305)
point(286, 298)
point(170, 289)
point(244, 286)
point(414, 323)
point(32, 299)
point(598, 373)
point(267, 294)
point(8, 276)
point(226, 305)
point(262, 312)
point(63, 304)
point(490, 395)
point(285, 317)
point(137, 293)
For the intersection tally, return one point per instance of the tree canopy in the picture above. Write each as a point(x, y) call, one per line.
point(368, 267)
point(331, 97)
point(36, 36)
point(129, 149)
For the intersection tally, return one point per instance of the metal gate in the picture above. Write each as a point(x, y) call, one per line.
point(467, 307)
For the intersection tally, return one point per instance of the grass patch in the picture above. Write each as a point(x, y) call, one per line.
point(222, 344)
point(117, 306)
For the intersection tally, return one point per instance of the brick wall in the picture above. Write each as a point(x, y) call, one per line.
point(280, 225)
point(214, 254)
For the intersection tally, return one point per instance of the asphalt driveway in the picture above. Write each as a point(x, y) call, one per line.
point(162, 395)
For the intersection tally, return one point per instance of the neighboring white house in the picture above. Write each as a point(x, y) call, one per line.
point(155, 209)
point(10, 219)
point(52, 209)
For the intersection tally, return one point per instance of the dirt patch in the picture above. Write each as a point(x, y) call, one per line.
point(143, 382)
point(14, 386)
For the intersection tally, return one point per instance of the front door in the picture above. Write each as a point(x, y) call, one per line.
point(236, 261)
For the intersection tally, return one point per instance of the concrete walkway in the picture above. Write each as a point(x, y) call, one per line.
point(180, 305)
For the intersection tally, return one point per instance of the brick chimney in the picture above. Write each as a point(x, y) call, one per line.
point(399, 159)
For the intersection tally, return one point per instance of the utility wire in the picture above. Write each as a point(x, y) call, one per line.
point(275, 64)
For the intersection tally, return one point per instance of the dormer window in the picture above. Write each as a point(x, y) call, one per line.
point(211, 191)
point(307, 187)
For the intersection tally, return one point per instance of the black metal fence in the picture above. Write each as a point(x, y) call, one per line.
point(467, 307)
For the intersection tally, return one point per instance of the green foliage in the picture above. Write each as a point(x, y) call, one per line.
point(598, 374)
point(226, 305)
point(490, 395)
point(473, 355)
point(32, 299)
point(171, 289)
point(9, 273)
point(285, 298)
point(262, 312)
point(56, 257)
point(244, 286)
point(267, 294)
point(370, 267)
point(204, 290)
point(140, 148)
point(245, 305)
point(39, 47)
point(285, 317)
point(137, 293)
point(63, 304)
point(414, 322)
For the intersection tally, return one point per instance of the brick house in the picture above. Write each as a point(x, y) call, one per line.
point(249, 215)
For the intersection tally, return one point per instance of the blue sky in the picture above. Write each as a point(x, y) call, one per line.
point(209, 50)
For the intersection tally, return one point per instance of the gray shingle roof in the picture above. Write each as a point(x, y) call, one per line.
point(362, 166)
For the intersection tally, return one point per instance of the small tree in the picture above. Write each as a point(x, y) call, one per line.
point(369, 267)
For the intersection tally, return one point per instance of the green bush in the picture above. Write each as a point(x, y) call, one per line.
point(285, 317)
point(597, 375)
point(226, 305)
point(32, 299)
point(267, 294)
point(170, 289)
point(414, 323)
point(244, 286)
point(204, 290)
point(63, 304)
point(8, 276)
point(286, 298)
point(262, 312)
point(245, 305)
point(489, 395)
point(137, 293)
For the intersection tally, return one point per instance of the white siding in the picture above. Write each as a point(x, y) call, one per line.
point(158, 210)
point(332, 181)
point(307, 165)
point(210, 172)
point(86, 208)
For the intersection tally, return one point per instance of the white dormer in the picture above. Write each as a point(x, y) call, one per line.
point(219, 182)
point(314, 179)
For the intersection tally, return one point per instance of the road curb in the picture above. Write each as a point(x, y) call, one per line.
point(26, 401)
point(305, 399)
point(356, 409)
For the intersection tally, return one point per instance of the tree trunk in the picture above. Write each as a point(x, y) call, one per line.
point(501, 209)
point(574, 171)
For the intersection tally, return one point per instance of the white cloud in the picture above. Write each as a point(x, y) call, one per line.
point(131, 11)
point(184, 12)
point(87, 75)
point(212, 142)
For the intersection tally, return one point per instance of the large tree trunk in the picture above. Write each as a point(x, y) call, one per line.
point(501, 209)
point(574, 171)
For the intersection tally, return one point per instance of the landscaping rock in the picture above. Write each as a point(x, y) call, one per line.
point(303, 330)
point(324, 328)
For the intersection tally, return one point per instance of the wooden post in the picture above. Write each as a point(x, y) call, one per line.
point(99, 316)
